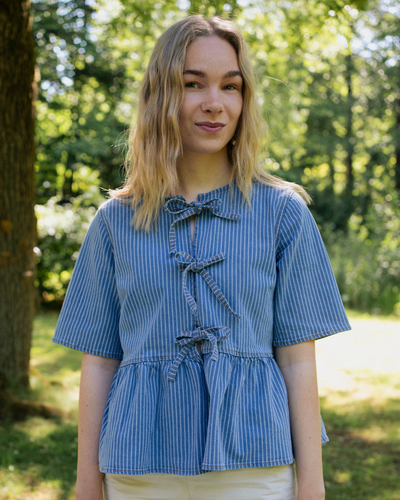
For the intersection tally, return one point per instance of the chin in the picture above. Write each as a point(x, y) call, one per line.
point(207, 149)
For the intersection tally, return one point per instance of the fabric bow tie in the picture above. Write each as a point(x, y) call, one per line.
point(187, 339)
point(197, 266)
point(178, 206)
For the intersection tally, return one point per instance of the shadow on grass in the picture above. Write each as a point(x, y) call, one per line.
point(34, 460)
point(362, 460)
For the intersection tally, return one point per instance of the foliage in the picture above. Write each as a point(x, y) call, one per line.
point(366, 259)
point(328, 83)
point(61, 230)
point(78, 112)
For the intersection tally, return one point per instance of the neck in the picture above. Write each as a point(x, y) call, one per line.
point(200, 173)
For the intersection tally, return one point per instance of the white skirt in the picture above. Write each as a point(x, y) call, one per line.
point(271, 483)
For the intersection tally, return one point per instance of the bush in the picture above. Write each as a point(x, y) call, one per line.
point(366, 258)
point(61, 230)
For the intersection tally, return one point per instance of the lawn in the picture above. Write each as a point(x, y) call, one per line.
point(359, 379)
point(359, 382)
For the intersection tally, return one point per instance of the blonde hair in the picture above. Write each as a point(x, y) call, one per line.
point(155, 141)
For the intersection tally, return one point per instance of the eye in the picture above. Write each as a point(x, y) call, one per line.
point(191, 85)
point(233, 87)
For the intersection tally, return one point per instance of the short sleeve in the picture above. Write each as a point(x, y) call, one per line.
point(307, 303)
point(89, 318)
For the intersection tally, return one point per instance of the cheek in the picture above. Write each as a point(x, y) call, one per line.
point(236, 107)
point(189, 107)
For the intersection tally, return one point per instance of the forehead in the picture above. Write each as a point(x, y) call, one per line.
point(211, 53)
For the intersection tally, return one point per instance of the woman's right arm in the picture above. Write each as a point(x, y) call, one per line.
point(96, 377)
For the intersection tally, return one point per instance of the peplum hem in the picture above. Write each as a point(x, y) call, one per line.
point(217, 415)
point(205, 469)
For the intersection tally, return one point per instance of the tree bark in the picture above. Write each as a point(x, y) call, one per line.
point(17, 191)
point(349, 131)
point(397, 143)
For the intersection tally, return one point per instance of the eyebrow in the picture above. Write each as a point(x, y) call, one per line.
point(201, 74)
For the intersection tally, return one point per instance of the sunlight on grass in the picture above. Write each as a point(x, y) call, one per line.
point(38, 456)
point(38, 460)
point(55, 370)
point(342, 477)
point(363, 361)
point(359, 381)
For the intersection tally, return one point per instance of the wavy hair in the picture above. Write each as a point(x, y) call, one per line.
point(154, 143)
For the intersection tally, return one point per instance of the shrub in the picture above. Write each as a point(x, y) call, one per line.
point(61, 230)
point(366, 258)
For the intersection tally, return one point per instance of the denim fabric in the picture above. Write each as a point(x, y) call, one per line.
point(250, 281)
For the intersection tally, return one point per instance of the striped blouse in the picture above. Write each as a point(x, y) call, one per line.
point(252, 279)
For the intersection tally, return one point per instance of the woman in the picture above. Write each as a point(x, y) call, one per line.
point(197, 296)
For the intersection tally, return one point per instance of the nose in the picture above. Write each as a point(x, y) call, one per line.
point(212, 102)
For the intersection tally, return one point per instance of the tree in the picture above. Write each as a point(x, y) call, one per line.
point(17, 187)
point(328, 83)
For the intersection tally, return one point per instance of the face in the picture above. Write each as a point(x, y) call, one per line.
point(212, 101)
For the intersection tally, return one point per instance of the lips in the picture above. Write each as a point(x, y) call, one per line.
point(210, 124)
point(211, 127)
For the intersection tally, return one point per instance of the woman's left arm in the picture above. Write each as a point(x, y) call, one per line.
point(298, 367)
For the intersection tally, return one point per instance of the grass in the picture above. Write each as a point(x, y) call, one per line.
point(362, 460)
point(360, 404)
point(38, 456)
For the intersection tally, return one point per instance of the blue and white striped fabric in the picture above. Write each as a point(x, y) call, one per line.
point(250, 281)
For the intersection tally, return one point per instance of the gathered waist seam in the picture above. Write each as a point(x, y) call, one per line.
point(239, 354)
point(161, 358)
point(195, 355)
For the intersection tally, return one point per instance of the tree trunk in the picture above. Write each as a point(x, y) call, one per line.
point(397, 143)
point(17, 191)
point(349, 131)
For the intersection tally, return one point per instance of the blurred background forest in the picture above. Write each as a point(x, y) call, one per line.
point(328, 76)
point(329, 86)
